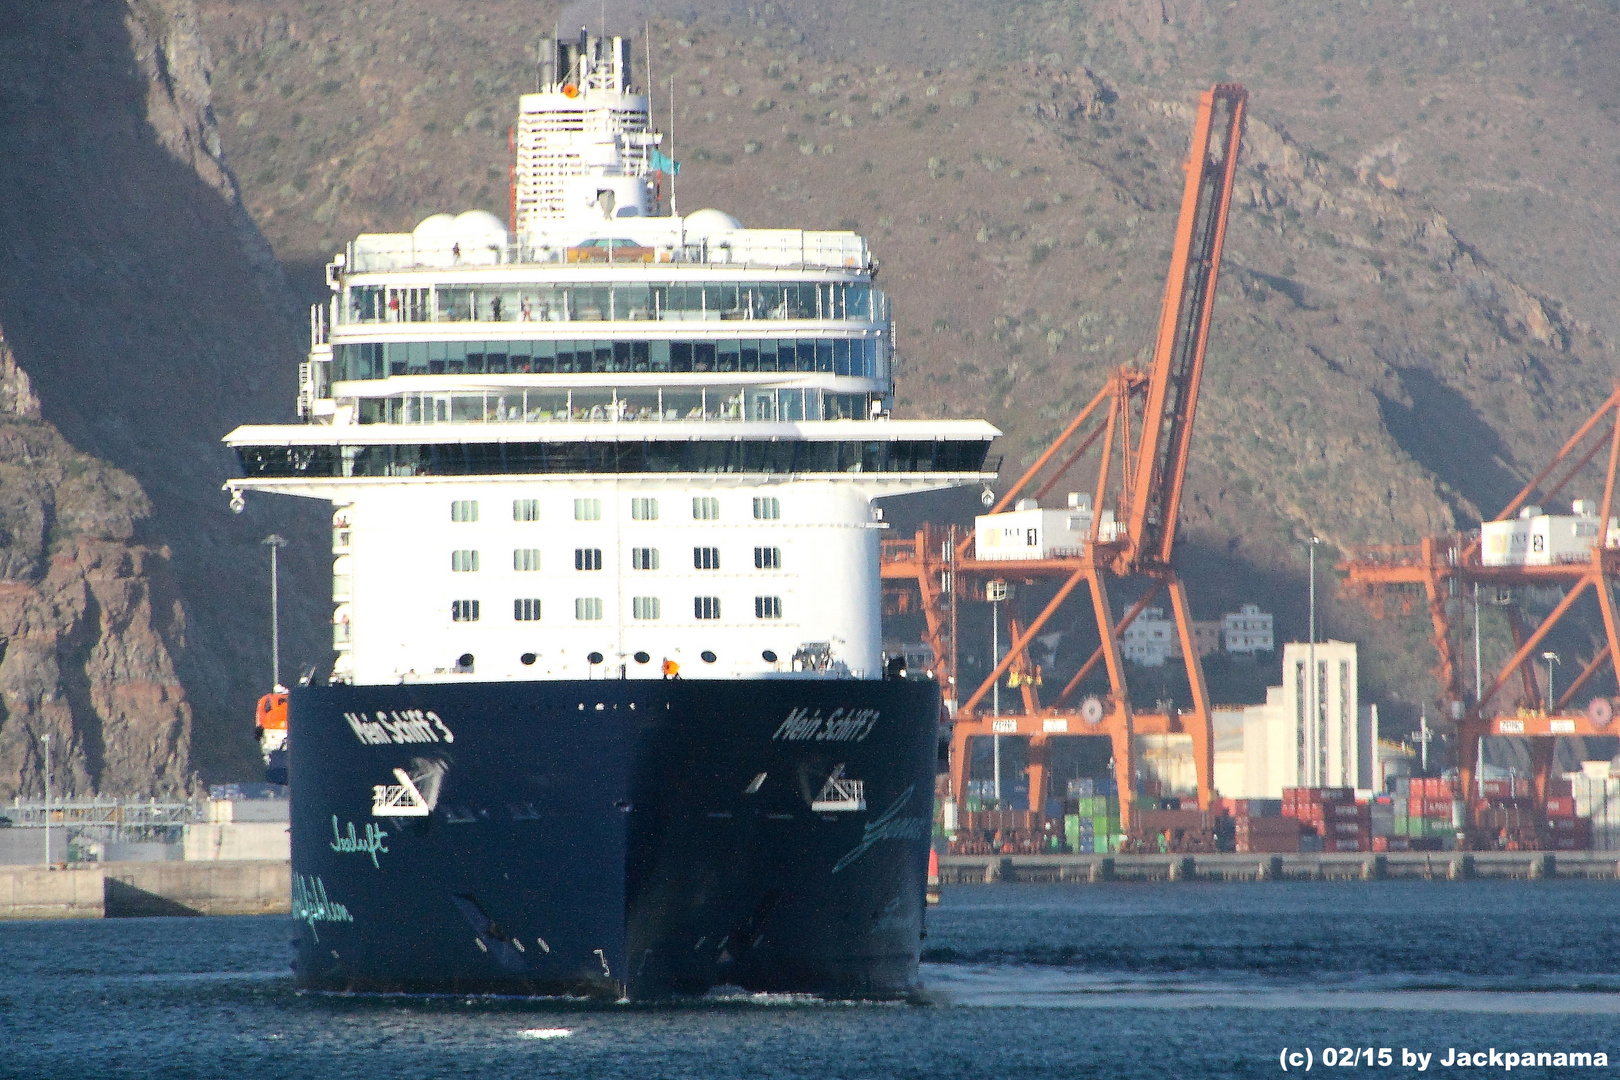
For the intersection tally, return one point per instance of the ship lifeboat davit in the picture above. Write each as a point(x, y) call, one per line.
point(270, 720)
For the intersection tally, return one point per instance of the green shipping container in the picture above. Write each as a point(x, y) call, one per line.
point(1071, 831)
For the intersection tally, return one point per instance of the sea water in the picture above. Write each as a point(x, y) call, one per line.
point(1120, 980)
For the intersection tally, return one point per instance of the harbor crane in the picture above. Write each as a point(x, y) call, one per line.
point(1519, 552)
point(1144, 423)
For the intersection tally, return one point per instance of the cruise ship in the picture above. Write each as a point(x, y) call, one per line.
point(609, 713)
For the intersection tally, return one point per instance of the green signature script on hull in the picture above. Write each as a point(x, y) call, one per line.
point(369, 843)
point(311, 905)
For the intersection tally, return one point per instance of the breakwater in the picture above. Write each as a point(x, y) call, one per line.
point(133, 889)
point(1443, 865)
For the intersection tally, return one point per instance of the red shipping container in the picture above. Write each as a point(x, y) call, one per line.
point(1414, 806)
point(1496, 789)
point(1280, 844)
point(1558, 787)
point(1561, 807)
point(1348, 828)
point(1437, 808)
point(1274, 826)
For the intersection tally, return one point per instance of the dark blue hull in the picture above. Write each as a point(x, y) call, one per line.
point(612, 837)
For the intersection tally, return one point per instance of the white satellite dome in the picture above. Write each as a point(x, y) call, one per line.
point(434, 227)
point(710, 222)
point(479, 223)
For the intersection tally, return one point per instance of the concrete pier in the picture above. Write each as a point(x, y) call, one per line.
point(1438, 865)
point(131, 889)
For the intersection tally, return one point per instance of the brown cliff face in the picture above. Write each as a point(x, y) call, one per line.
point(151, 319)
point(89, 619)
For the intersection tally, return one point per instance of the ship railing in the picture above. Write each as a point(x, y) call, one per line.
point(651, 406)
point(777, 249)
point(593, 302)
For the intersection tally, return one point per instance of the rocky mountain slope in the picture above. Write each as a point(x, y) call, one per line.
point(1413, 312)
point(89, 619)
point(150, 317)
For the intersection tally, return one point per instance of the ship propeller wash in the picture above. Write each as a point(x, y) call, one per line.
point(605, 577)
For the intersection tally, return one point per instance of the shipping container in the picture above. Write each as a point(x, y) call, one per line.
point(1561, 807)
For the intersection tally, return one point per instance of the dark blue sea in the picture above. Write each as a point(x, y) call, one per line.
point(1126, 980)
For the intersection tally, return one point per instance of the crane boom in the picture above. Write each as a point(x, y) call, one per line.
point(1178, 355)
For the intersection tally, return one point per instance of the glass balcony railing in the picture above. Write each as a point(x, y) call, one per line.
point(551, 302)
point(776, 248)
point(854, 357)
point(714, 404)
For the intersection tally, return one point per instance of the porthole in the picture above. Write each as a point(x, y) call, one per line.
point(593, 658)
point(768, 656)
point(527, 659)
point(465, 660)
point(708, 657)
point(642, 658)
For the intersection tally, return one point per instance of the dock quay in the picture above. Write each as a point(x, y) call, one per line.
point(133, 889)
point(1432, 865)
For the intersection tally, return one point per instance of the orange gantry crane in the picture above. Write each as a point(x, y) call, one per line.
point(1447, 570)
point(1144, 422)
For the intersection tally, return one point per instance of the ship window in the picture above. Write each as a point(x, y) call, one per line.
point(588, 608)
point(644, 558)
point(767, 607)
point(526, 559)
point(707, 655)
point(464, 510)
point(526, 610)
point(642, 509)
point(769, 656)
point(705, 508)
point(464, 610)
point(706, 558)
point(705, 607)
point(642, 657)
point(646, 607)
point(527, 659)
point(767, 558)
point(587, 558)
point(462, 562)
point(768, 508)
point(587, 509)
point(525, 509)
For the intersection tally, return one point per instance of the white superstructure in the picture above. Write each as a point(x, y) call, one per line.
point(608, 443)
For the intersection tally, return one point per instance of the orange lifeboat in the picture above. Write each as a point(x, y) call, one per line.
point(270, 721)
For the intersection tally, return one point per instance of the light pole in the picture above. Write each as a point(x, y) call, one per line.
point(47, 798)
point(275, 543)
point(1551, 658)
point(1479, 675)
point(1315, 690)
point(995, 592)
